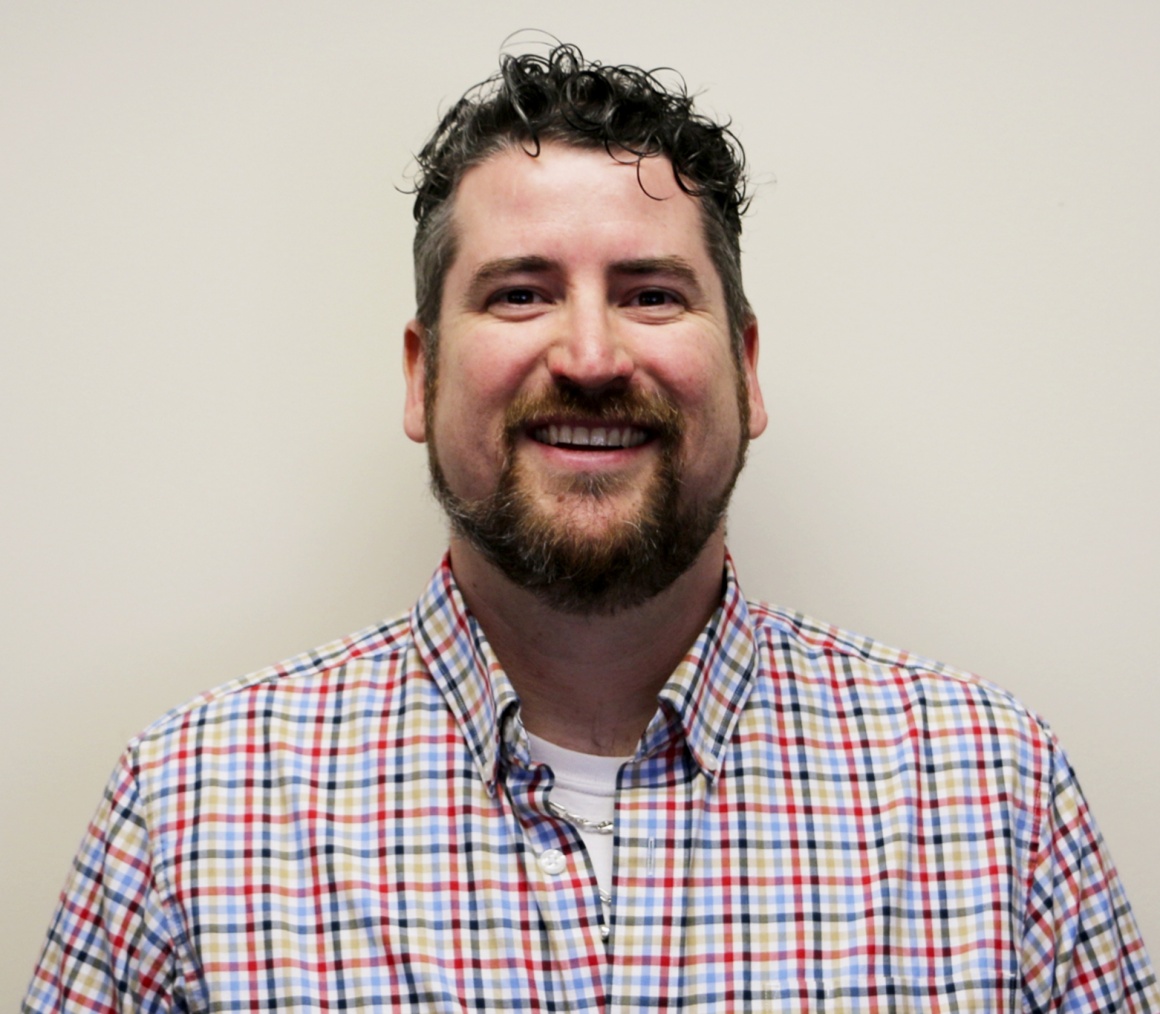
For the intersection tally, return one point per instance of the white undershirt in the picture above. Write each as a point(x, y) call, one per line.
point(585, 784)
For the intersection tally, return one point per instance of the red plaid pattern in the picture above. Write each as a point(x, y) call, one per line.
point(812, 822)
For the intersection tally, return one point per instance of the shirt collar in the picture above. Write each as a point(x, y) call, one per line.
point(453, 648)
point(702, 699)
point(707, 692)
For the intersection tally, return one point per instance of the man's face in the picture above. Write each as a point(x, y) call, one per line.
point(589, 417)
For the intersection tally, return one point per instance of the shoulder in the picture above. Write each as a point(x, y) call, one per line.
point(364, 664)
point(844, 672)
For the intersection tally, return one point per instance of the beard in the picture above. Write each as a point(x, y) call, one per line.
point(635, 557)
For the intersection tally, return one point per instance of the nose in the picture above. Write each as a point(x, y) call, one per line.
point(587, 349)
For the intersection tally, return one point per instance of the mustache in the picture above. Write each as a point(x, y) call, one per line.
point(642, 409)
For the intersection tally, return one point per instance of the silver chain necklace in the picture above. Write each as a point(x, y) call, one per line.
point(595, 826)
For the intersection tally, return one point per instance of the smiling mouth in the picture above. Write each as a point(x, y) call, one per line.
point(599, 437)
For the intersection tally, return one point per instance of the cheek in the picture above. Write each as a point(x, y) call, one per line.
point(488, 364)
point(467, 425)
point(703, 381)
point(713, 414)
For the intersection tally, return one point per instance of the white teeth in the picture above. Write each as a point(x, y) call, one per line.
point(590, 436)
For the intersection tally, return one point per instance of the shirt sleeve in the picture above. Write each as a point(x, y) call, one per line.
point(112, 944)
point(1082, 951)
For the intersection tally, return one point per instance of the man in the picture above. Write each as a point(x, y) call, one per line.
point(585, 773)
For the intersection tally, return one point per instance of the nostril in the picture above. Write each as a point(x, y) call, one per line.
point(592, 386)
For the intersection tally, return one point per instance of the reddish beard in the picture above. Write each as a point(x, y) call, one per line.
point(570, 569)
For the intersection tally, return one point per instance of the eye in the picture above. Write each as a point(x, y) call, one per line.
point(655, 297)
point(517, 302)
point(655, 305)
point(516, 297)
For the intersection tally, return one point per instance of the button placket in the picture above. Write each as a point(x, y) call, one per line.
point(557, 869)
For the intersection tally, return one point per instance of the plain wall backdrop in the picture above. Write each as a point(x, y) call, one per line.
point(954, 252)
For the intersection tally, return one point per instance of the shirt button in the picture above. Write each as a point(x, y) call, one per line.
point(552, 862)
point(605, 931)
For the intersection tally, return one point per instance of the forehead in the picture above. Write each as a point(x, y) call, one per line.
point(573, 205)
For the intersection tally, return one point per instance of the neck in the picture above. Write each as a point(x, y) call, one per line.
point(589, 683)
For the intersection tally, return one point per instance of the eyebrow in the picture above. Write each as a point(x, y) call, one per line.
point(490, 271)
point(674, 267)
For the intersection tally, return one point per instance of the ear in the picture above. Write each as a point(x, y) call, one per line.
point(757, 414)
point(415, 373)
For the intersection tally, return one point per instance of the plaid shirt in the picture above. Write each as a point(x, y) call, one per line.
point(812, 822)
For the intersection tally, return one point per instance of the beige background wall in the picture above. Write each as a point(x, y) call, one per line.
point(204, 274)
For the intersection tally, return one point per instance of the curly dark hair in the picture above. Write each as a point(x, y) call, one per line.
point(562, 97)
